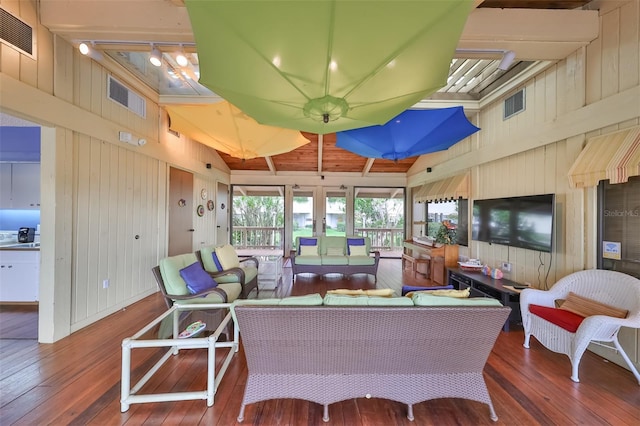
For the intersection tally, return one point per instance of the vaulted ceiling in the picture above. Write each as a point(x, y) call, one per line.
point(540, 32)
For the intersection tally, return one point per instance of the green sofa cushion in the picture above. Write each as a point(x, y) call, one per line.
point(334, 260)
point(207, 259)
point(361, 260)
point(426, 299)
point(306, 300)
point(308, 260)
point(233, 291)
point(344, 300)
point(332, 241)
point(170, 270)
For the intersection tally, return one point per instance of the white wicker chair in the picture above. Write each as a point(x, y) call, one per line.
point(609, 287)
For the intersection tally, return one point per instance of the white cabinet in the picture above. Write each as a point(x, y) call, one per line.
point(25, 186)
point(20, 186)
point(19, 275)
point(5, 185)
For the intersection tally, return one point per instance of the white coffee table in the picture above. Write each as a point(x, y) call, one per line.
point(269, 271)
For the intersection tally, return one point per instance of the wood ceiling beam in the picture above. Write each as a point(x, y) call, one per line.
point(272, 167)
point(534, 34)
point(320, 144)
point(368, 166)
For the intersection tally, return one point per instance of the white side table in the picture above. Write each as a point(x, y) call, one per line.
point(269, 271)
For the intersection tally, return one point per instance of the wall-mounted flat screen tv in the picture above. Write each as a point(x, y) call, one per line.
point(525, 222)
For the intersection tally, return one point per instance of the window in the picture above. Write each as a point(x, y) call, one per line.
point(456, 212)
point(619, 226)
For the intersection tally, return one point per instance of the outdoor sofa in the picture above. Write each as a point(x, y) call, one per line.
point(333, 254)
point(336, 350)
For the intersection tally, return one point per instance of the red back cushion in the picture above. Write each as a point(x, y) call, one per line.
point(560, 317)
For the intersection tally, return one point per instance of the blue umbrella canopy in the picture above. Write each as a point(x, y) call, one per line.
point(411, 133)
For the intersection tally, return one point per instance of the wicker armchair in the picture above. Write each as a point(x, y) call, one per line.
point(608, 287)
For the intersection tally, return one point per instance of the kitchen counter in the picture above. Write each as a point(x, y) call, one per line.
point(20, 246)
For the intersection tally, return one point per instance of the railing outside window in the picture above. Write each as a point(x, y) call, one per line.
point(272, 238)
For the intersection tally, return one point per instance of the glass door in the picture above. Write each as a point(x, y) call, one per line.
point(303, 213)
point(334, 215)
point(379, 215)
point(257, 220)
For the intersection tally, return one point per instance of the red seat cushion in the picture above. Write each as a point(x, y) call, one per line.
point(565, 319)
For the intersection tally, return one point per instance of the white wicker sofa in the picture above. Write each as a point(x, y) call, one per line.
point(608, 287)
point(332, 353)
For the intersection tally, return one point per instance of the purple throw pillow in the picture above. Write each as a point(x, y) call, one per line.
point(354, 242)
point(197, 278)
point(307, 242)
point(217, 262)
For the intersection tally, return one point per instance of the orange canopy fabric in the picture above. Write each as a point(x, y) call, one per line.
point(225, 128)
point(614, 156)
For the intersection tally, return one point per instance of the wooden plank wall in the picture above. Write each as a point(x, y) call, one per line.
point(99, 193)
point(538, 163)
point(609, 66)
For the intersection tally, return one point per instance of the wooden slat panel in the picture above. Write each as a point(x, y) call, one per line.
point(389, 166)
point(304, 158)
point(234, 163)
point(336, 159)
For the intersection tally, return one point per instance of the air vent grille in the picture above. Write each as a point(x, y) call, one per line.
point(16, 33)
point(514, 104)
point(121, 94)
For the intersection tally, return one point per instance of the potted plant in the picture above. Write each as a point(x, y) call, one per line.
point(446, 233)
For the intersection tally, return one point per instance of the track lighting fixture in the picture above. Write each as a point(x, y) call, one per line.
point(507, 60)
point(181, 58)
point(156, 56)
point(84, 48)
point(89, 50)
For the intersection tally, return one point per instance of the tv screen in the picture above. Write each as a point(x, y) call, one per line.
point(525, 222)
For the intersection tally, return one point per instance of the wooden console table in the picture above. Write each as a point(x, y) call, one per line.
point(485, 286)
point(445, 256)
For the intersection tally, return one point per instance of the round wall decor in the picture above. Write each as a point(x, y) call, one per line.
point(200, 210)
point(210, 205)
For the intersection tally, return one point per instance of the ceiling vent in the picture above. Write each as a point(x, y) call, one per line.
point(121, 94)
point(514, 104)
point(16, 33)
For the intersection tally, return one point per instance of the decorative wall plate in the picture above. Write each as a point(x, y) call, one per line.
point(210, 205)
point(204, 194)
point(182, 202)
point(200, 210)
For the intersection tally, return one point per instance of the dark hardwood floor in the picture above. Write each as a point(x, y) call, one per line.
point(77, 380)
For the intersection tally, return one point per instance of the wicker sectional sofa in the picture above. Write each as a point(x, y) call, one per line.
point(331, 254)
point(407, 354)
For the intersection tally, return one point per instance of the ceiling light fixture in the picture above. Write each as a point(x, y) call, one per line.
point(84, 48)
point(89, 50)
point(507, 60)
point(156, 56)
point(181, 58)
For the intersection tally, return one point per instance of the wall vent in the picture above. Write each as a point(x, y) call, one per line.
point(121, 94)
point(16, 33)
point(514, 104)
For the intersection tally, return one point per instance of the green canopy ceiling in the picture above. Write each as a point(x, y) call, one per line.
point(325, 65)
